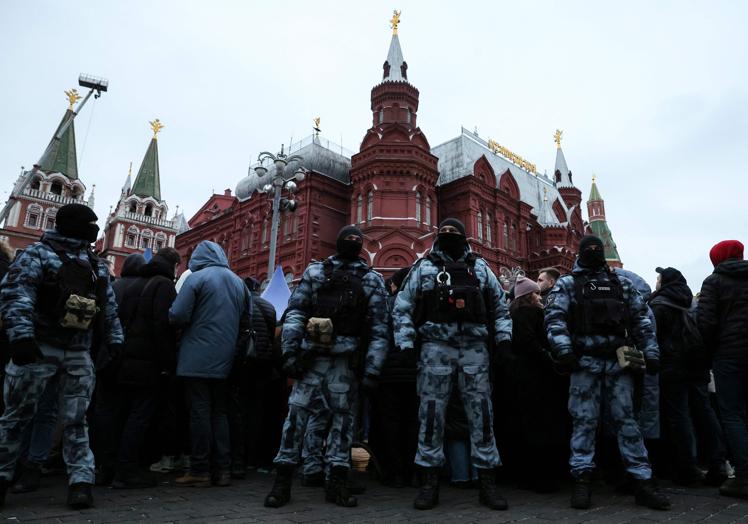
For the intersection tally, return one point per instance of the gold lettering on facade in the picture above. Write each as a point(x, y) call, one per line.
point(513, 157)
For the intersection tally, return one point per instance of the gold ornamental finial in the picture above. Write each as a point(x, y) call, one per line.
point(557, 138)
point(157, 126)
point(395, 21)
point(73, 97)
point(317, 129)
point(594, 178)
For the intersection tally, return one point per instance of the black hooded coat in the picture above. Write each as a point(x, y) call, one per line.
point(723, 309)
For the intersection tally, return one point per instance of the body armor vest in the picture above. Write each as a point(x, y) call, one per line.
point(600, 307)
point(456, 296)
point(68, 296)
point(341, 298)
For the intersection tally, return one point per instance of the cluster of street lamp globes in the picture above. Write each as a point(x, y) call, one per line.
point(279, 180)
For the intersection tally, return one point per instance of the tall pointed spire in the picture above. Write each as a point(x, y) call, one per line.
point(127, 186)
point(563, 175)
point(395, 67)
point(148, 181)
point(599, 225)
point(60, 155)
point(546, 216)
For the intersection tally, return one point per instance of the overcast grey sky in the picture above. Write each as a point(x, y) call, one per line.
point(652, 96)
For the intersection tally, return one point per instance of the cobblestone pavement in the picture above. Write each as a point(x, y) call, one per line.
point(242, 502)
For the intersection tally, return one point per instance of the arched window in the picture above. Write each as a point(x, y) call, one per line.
point(513, 238)
point(489, 229)
point(381, 116)
point(131, 240)
point(146, 240)
point(428, 211)
point(407, 116)
point(359, 209)
point(56, 187)
point(160, 241)
point(33, 216)
point(133, 207)
point(287, 223)
point(148, 210)
point(480, 226)
point(418, 207)
point(245, 239)
point(49, 222)
point(369, 206)
point(506, 236)
point(36, 183)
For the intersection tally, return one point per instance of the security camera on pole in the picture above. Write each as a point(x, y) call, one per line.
point(278, 182)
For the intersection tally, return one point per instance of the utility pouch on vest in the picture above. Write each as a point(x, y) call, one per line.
point(630, 358)
point(320, 331)
point(79, 312)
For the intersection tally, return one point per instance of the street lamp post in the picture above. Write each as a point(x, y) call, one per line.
point(280, 180)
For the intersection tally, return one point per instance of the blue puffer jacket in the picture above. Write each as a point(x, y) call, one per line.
point(208, 308)
point(18, 297)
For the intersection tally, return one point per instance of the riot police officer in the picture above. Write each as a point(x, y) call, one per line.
point(453, 303)
point(592, 316)
point(338, 304)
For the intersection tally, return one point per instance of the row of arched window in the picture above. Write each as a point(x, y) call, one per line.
point(369, 207)
point(485, 229)
point(287, 228)
point(423, 218)
point(143, 240)
point(38, 218)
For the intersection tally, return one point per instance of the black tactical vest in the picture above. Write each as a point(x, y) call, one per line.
point(456, 296)
point(600, 307)
point(341, 298)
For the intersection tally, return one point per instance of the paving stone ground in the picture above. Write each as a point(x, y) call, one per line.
point(242, 502)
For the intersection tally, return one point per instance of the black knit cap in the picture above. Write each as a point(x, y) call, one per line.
point(590, 240)
point(350, 230)
point(669, 275)
point(454, 223)
point(71, 220)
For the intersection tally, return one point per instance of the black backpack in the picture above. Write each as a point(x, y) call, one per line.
point(689, 338)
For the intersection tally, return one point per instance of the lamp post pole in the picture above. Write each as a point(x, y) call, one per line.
point(279, 181)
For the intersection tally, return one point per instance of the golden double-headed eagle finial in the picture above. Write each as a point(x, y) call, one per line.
point(395, 21)
point(73, 97)
point(557, 138)
point(156, 126)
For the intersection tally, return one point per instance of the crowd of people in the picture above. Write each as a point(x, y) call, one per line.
point(443, 373)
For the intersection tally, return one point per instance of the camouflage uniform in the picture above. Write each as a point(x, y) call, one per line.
point(599, 377)
point(313, 451)
point(63, 354)
point(330, 382)
point(451, 351)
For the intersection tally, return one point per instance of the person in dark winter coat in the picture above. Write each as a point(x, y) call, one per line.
point(684, 379)
point(130, 273)
point(723, 322)
point(209, 308)
point(397, 403)
point(6, 256)
point(128, 398)
point(543, 420)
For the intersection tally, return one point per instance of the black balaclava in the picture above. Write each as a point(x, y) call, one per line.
point(588, 258)
point(74, 221)
point(453, 244)
point(348, 249)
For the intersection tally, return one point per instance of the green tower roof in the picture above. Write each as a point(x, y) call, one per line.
point(594, 192)
point(148, 181)
point(60, 155)
point(600, 229)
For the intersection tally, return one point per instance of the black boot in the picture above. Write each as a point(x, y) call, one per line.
point(79, 495)
point(489, 497)
point(581, 493)
point(281, 492)
point(648, 494)
point(337, 488)
point(428, 495)
point(29, 479)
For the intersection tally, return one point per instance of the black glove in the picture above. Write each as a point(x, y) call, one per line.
point(292, 366)
point(652, 366)
point(369, 384)
point(24, 351)
point(567, 362)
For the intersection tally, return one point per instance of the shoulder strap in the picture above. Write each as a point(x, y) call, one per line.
point(665, 302)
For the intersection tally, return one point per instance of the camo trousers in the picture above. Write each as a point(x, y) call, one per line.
point(585, 395)
point(313, 450)
point(465, 361)
point(328, 386)
point(23, 388)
